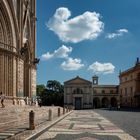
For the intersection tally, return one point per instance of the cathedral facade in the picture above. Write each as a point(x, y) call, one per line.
point(17, 48)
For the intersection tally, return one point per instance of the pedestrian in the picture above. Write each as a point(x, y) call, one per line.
point(2, 97)
point(109, 106)
point(40, 102)
point(118, 107)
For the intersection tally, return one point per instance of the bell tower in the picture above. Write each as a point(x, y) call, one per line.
point(95, 80)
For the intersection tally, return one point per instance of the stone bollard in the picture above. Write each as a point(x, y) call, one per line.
point(63, 110)
point(31, 120)
point(18, 102)
point(58, 112)
point(50, 115)
point(67, 109)
point(14, 101)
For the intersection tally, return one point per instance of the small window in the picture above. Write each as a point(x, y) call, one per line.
point(138, 76)
point(111, 91)
point(95, 91)
point(126, 100)
point(125, 78)
point(125, 91)
point(78, 91)
point(103, 91)
point(131, 89)
point(121, 91)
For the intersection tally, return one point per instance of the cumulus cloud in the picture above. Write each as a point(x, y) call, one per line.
point(104, 68)
point(61, 52)
point(72, 64)
point(118, 33)
point(83, 27)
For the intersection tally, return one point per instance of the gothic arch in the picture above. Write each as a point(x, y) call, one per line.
point(7, 47)
point(9, 25)
point(5, 28)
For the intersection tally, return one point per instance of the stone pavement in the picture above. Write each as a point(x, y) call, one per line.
point(15, 119)
point(127, 119)
point(83, 125)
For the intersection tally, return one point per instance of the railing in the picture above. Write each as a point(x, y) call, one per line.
point(13, 49)
point(7, 47)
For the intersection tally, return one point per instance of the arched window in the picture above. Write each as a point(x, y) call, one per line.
point(138, 76)
point(77, 91)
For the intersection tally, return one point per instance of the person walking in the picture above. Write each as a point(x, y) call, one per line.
point(40, 102)
point(2, 97)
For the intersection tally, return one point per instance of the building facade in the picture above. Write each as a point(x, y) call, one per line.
point(82, 94)
point(129, 88)
point(17, 48)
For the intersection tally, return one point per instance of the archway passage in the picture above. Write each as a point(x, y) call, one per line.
point(105, 102)
point(113, 102)
point(96, 102)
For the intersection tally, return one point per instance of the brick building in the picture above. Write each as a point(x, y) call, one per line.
point(129, 87)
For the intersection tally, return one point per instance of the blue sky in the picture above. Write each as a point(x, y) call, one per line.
point(86, 37)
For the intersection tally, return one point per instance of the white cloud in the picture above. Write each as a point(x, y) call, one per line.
point(61, 52)
point(83, 27)
point(118, 33)
point(72, 64)
point(104, 68)
point(46, 56)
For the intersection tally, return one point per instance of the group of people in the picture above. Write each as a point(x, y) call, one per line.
point(2, 97)
point(33, 101)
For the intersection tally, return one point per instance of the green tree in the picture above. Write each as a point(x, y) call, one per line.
point(40, 89)
point(55, 86)
point(53, 94)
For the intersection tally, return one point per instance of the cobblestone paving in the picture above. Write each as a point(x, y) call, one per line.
point(85, 125)
point(15, 119)
point(126, 119)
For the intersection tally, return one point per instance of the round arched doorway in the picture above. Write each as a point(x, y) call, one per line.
point(113, 102)
point(96, 102)
point(105, 102)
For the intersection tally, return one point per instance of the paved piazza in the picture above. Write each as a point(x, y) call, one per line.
point(126, 119)
point(15, 119)
point(84, 125)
